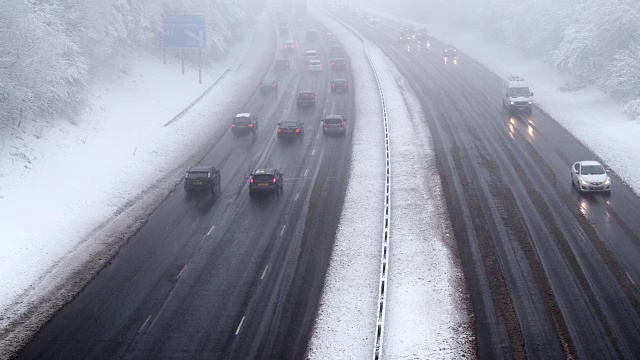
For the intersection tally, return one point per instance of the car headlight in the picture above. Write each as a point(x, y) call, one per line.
point(511, 102)
point(607, 182)
point(585, 183)
point(530, 102)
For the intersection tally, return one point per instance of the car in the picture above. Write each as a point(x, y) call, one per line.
point(338, 64)
point(374, 21)
point(289, 45)
point(404, 38)
point(364, 16)
point(268, 84)
point(282, 64)
point(315, 66)
point(336, 51)
point(201, 178)
point(450, 55)
point(311, 35)
point(340, 85)
point(305, 98)
point(290, 129)
point(422, 34)
point(589, 176)
point(265, 181)
point(309, 55)
point(244, 123)
point(328, 36)
point(410, 29)
point(333, 124)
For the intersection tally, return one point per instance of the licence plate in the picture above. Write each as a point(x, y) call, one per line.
point(263, 184)
point(197, 183)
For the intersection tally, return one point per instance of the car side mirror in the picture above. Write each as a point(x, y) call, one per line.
point(532, 93)
point(608, 170)
point(279, 123)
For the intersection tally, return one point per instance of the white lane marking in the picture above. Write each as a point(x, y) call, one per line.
point(210, 230)
point(305, 173)
point(296, 198)
point(283, 228)
point(264, 272)
point(313, 152)
point(240, 325)
point(631, 279)
point(181, 271)
point(144, 324)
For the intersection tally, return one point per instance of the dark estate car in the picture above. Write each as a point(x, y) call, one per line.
point(265, 181)
point(290, 129)
point(334, 124)
point(244, 123)
point(200, 178)
point(288, 45)
point(268, 84)
point(282, 64)
point(340, 85)
point(338, 63)
point(305, 98)
point(336, 51)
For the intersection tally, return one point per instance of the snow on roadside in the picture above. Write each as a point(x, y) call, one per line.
point(591, 116)
point(427, 308)
point(346, 320)
point(89, 186)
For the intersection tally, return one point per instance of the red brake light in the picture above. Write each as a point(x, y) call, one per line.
point(250, 125)
point(251, 180)
point(298, 130)
point(342, 124)
point(279, 130)
point(275, 179)
point(233, 126)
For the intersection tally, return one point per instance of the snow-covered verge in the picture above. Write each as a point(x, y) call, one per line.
point(427, 309)
point(591, 116)
point(82, 188)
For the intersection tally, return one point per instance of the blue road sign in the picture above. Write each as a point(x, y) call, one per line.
point(183, 31)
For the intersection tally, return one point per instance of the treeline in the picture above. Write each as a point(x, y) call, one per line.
point(49, 48)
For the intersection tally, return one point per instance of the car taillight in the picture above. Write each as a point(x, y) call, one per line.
point(313, 95)
point(345, 85)
point(275, 179)
point(324, 124)
point(274, 85)
point(250, 125)
point(342, 124)
point(251, 180)
point(279, 130)
point(297, 130)
point(233, 126)
point(333, 85)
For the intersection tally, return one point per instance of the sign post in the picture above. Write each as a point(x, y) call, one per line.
point(184, 31)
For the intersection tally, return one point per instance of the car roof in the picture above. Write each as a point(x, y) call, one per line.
point(339, 79)
point(334, 117)
point(314, 61)
point(310, 51)
point(589, 162)
point(244, 115)
point(269, 171)
point(200, 169)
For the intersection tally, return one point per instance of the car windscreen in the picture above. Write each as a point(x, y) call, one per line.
point(262, 178)
point(333, 121)
point(197, 174)
point(592, 170)
point(519, 91)
point(242, 121)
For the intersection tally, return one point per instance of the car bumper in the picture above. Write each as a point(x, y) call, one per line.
point(263, 189)
point(306, 103)
point(337, 131)
point(199, 187)
point(594, 188)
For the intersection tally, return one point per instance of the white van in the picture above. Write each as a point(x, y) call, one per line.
point(516, 95)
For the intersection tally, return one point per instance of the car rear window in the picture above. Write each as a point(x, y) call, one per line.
point(288, 124)
point(263, 178)
point(333, 121)
point(305, 95)
point(197, 174)
point(242, 120)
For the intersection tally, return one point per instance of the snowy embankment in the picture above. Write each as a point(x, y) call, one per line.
point(71, 192)
point(591, 116)
point(427, 312)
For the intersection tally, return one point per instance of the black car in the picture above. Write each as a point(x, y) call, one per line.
point(265, 181)
point(268, 84)
point(290, 129)
point(333, 124)
point(201, 178)
point(244, 123)
point(282, 64)
point(305, 98)
point(340, 85)
point(338, 64)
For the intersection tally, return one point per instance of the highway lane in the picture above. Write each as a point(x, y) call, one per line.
point(230, 277)
point(551, 273)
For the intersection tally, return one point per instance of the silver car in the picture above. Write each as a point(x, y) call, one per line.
point(590, 176)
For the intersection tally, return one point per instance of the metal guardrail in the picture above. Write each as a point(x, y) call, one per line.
point(384, 259)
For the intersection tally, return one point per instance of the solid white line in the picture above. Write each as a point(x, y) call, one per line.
point(144, 323)
point(210, 230)
point(282, 231)
point(305, 173)
point(631, 279)
point(313, 152)
point(181, 271)
point(264, 272)
point(296, 198)
point(239, 326)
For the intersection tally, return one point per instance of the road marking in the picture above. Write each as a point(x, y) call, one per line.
point(264, 272)
point(305, 173)
point(210, 230)
point(240, 326)
point(631, 279)
point(181, 271)
point(296, 198)
point(144, 324)
point(282, 231)
point(313, 152)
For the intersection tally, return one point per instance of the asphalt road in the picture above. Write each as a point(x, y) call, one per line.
point(228, 277)
point(552, 273)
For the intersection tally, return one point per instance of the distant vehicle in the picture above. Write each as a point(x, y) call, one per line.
point(404, 38)
point(244, 123)
point(334, 124)
point(422, 35)
point(268, 84)
point(309, 55)
point(200, 178)
point(450, 55)
point(340, 85)
point(315, 66)
point(590, 176)
point(265, 181)
point(338, 64)
point(336, 51)
point(282, 64)
point(410, 29)
point(364, 16)
point(289, 45)
point(290, 129)
point(374, 21)
point(517, 95)
point(311, 35)
point(305, 98)
point(328, 36)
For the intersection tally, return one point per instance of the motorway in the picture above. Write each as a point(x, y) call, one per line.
point(552, 273)
point(225, 277)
